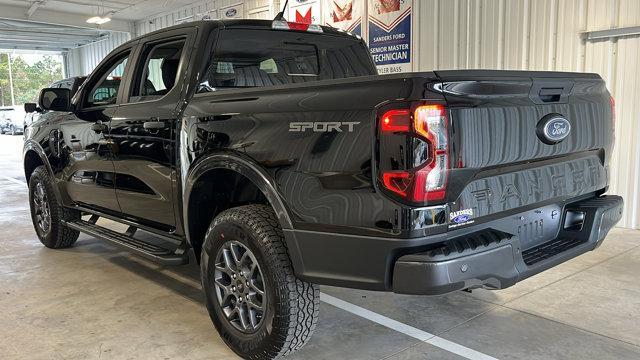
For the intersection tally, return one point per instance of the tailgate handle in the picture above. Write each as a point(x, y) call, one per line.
point(550, 91)
point(548, 95)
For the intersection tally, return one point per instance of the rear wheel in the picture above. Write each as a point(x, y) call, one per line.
point(259, 307)
point(47, 214)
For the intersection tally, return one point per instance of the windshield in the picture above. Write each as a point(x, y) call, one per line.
point(246, 58)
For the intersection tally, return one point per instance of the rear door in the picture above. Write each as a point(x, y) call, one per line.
point(144, 130)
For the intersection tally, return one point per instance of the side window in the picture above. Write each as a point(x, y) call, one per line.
point(105, 92)
point(157, 72)
point(248, 58)
point(244, 58)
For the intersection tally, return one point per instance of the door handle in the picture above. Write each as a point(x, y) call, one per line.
point(154, 125)
point(105, 142)
point(99, 127)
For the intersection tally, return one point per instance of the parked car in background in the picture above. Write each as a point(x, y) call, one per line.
point(11, 120)
point(72, 83)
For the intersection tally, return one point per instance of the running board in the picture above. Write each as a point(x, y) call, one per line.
point(169, 255)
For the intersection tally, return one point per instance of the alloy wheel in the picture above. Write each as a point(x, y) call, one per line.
point(240, 287)
point(42, 210)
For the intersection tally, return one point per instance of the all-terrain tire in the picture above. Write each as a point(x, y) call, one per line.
point(292, 305)
point(56, 235)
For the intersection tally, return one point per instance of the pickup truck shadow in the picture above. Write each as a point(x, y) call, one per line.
point(182, 280)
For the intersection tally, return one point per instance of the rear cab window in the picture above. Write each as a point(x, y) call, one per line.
point(246, 58)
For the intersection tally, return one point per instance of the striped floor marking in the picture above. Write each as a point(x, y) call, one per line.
point(15, 181)
point(415, 333)
point(411, 331)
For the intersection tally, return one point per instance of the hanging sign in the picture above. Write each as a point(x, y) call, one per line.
point(345, 15)
point(390, 35)
point(232, 12)
point(305, 11)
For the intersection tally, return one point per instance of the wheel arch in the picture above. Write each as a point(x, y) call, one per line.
point(33, 156)
point(231, 180)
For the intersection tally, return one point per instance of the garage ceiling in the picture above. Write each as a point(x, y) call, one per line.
point(59, 25)
point(28, 35)
point(129, 10)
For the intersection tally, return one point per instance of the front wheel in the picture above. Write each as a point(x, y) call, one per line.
point(47, 214)
point(259, 307)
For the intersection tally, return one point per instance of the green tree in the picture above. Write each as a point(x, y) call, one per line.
point(5, 93)
point(27, 79)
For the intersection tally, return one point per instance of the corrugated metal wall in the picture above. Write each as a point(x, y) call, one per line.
point(253, 9)
point(545, 35)
point(82, 60)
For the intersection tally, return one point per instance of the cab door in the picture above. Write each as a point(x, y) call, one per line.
point(143, 130)
point(89, 172)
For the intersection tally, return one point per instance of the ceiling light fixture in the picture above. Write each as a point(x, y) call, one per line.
point(99, 20)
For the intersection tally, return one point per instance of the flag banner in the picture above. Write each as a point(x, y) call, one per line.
point(345, 15)
point(305, 11)
point(390, 35)
point(233, 12)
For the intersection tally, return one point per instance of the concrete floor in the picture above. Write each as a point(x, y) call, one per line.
point(94, 302)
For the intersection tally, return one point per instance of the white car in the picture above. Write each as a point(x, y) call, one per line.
point(12, 120)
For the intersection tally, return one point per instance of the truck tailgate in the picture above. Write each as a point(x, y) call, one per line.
point(504, 153)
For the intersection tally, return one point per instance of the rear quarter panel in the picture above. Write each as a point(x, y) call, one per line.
point(324, 177)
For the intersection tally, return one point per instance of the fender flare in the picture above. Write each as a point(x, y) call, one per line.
point(31, 145)
point(243, 166)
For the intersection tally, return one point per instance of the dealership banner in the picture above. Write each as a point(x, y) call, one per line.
point(390, 35)
point(232, 12)
point(344, 14)
point(305, 11)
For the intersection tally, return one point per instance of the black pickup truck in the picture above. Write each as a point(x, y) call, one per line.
point(274, 155)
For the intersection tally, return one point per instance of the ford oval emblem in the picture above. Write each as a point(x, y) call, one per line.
point(231, 13)
point(553, 128)
point(461, 219)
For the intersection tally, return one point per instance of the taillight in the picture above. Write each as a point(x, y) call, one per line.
point(397, 181)
point(423, 177)
point(396, 121)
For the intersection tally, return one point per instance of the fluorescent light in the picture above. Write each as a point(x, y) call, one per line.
point(98, 20)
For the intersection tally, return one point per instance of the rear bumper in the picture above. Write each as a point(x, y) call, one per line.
point(491, 255)
point(497, 260)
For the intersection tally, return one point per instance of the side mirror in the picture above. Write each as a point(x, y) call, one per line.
point(30, 107)
point(55, 99)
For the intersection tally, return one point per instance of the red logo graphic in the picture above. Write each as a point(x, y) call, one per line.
point(342, 13)
point(387, 6)
point(306, 19)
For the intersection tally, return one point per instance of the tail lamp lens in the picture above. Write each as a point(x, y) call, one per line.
point(430, 122)
point(397, 181)
point(427, 181)
point(396, 121)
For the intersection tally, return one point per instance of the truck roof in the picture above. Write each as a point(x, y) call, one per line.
point(226, 24)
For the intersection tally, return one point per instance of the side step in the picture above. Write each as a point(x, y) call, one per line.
point(169, 255)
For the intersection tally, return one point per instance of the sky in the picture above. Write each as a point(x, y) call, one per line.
point(33, 57)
